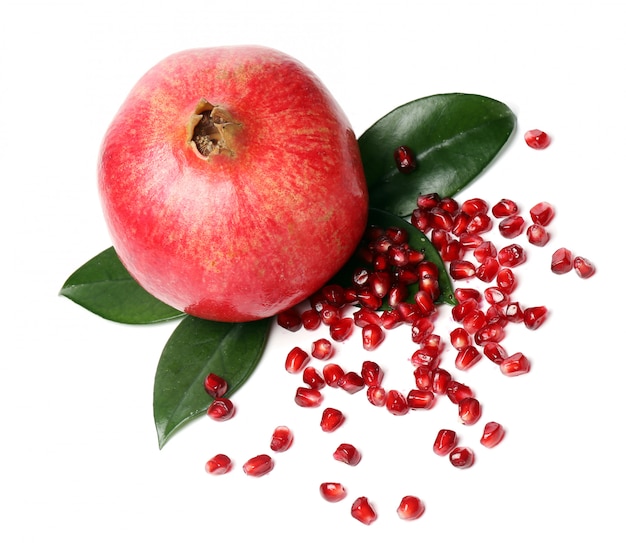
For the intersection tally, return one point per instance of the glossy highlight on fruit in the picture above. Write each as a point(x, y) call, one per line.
point(231, 182)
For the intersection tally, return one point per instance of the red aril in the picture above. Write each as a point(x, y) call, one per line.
point(331, 419)
point(342, 329)
point(489, 333)
point(496, 296)
point(479, 223)
point(322, 349)
point(296, 359)
point(488, 270)
point(423, 378)
point(485, 250)
point(467, 357)
point(474, 321)
point(363, 511)
point(372, 336)
point(504, 208)
point(348, 454)
point(289, 319)
point(537, 235)
point(428, 201)
point(221, 409)
point(534, 317)
point(351, 382)
point(333, 492)
point(282, 439)
point(215, 385)
point(218, 465)
point(458, 391)
point(460, 338)
point(312, 378)
point(462, 457)
point(505, 279)
point(258, 466)
point(463, 294)
point(376, 395)
point(584, 268)
point(512, 255)
point(474, 206)
point(516, 364)
point(542, 213)
point(537, 139)
point(494, 352)
point(420, 399)
point(513, 312)
point(493, 434)
point(462, 269)
point(445, 441)
point(441, 381)
point(469, 411)
point(311, 319)
point(410, 508)
point(405, 159)
point(511, 227)
point(332, 373)
point(371, 373)
point(396, 403)
point(308, 397)
point(562, 261)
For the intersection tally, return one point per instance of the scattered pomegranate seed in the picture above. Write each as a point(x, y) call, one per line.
point(308, 397)
point(485, 250)
point(373, 336)
point(512, 255)
point(458, 391)
point(492, 434)
point(376, 395)
point(441, 381)
point(333, 492)
point(506, 281)
point(428, 201)
point(259, 465)
point(289, 319)
point(562, 261)
point(469, 411)
point(489, 333)
point(494, 352)
point(534, 317)
point(460, 339)
point(467, 357)
point(405, 159)
point(511, 227)
point(537, 235)
point(420, 399)
point(396, 403)
point(371, 373)
point(474, 206)
point(322, 349)
point(363, 511)
point(488, 270)
point(504, 208)
point(348, 454)
point(537, 139)
point(332, 374)
point(342, 329)
point(312, 378)
point(296, 359)
point(445, 441)
point(221, 409)
point(462, 269)
point(410, 508)
point(516, 364)
point(351, 382)
point(331, 419)
point(462, 457)
point(311, 319)
point(282, 439)
point(215, 385)
point(218, 465)
point(584, 268)
point(542, 213)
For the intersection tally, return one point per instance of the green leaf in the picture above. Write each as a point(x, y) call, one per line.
point(196, 348)
point(104, 287)
point(454, 136)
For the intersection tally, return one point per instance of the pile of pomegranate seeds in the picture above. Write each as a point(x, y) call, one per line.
point(396, 287)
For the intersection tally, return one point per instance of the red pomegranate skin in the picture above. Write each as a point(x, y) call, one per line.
point(248, 231)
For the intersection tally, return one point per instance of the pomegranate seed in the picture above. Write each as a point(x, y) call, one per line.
point(496, 296)
point(470, 241)
point(459, 226)
point(463, 294)
point(329, 313)
point(458, 391)
point(423, 378)
point(366, 316)
point(504, 208)
point(296, 359)
point(488, 333)
point(469, 411)
point(405, 159)
point(308, 397)
point(289, 319)
point(428, 201)
point(218, 465)
point(259, 465)
point(333, 492)
point(462, 269)
point(372, 336)
point(322, 349)
point(311, 319)
point(410, 508)
point(397, 235)
point(485, 250)
point(494, 352)
point(505, 279)
point(441, 381)
point(495, 316)
point(441, 219)
point(360, 277)
point(351, 382)
point(380, 283)
point(397, 294)
point(562, 261)
point(426, 357)
point(332, 373)
point(445, 441)
point(452, 251)
point(474, 206)
point(462, 457)
point(342, 329)
point(331, 419)
point(368, 298)
point(534, 317)
point(511, 255)
point(334, 295)
point(421, 329)
point(459, 338)
point(221, 409)
point(420, 218)
point(282, 438)
point(371, 373)
point(391, 319)
point(511, 227)
point(514, 312)
point(537, 139)
point(467, 357)
point(488, 270)
point(420, 399)
point(396, 403)
point(542, 213)
point(363, 511)
point(492, 434)
point(376, 395)
point(215, 385)
point(516, 364)
point(478, 224)
point(348, 454)
point(474, 321)
point(584, 268)
point(312, 377)
point(537, 235)
point(449, 204)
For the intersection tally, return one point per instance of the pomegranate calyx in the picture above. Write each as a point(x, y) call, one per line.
point(209, 130)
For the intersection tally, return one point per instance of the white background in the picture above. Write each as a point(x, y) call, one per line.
point(79, 459)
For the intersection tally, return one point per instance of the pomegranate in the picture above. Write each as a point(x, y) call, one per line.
point(231, 183)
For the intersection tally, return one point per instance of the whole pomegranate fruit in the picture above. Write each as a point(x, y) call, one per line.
point(232, 183)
